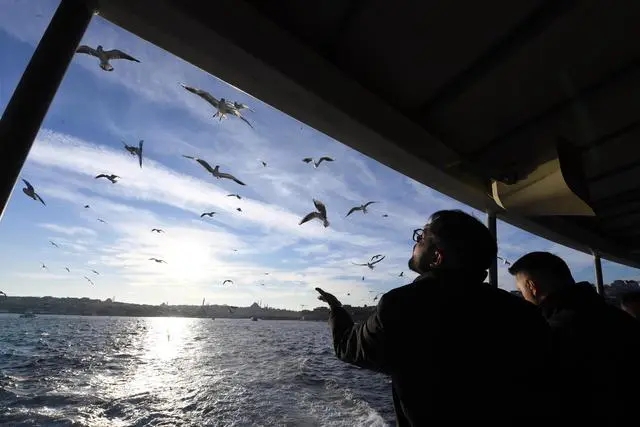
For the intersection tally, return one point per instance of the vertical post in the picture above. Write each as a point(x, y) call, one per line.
point(30, 101)
point(599, 279)
point(493, 269)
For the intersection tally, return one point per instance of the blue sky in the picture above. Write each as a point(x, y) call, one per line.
point(81, 137)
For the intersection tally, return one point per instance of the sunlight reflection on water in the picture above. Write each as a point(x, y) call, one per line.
point(172, 371)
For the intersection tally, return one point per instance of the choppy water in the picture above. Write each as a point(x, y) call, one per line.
point(108, 371)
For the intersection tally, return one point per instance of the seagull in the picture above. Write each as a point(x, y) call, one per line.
point(239, 209)
point(93, 271)
point(317, 163)
point(89, 280)
point(237, 196)
point(377, 296)
point(362, 277)
point(105, 55)
point(362, 208)
point(401, 274)
point(228, 280)
point(87, 206)
point(31, 192)
point(504, 260)
point(67, 268)
point(222, 107)
point(44, 267)
point(372, 262)
point(54, 244)
point(3, 294)
point(157, 230)
point(214, 171)
point(263, 163)
point(209, 214)
point(113, 178)
point(102, 221)
point(135, 151)
point(320, 213)
point(158, 260)
point(385, 216)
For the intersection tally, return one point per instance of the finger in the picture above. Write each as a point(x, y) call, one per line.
point(320, 291)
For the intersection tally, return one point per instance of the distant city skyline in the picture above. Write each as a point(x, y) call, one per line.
point(96, 111)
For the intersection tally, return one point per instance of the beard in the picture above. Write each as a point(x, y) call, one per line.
point(416, 266)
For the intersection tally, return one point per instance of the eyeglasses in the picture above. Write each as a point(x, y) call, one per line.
point(418, 235)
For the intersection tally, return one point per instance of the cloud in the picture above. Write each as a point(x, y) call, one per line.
point(68, 230)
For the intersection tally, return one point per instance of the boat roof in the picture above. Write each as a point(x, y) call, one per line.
point(453, 97)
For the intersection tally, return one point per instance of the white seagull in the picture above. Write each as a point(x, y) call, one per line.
point(214, 171)
point(317, 163)
point(31, 192)
point(135, 151)
point(222, 106)
point(320, 213)
point(362, 208)
point(372, 262)
point(105, 55)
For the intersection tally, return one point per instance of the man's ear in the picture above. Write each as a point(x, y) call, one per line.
point(437, 258)
point(532, 287)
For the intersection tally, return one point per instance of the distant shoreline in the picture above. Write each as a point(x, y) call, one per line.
point(108, 308)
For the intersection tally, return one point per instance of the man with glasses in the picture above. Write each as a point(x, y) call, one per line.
point(449, 340)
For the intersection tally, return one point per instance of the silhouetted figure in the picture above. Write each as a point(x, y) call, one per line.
point(630, 302)
point(595, 342)
point(448, 340)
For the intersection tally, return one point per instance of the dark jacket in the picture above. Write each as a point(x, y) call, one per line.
point(459, 351)
point(598, 349)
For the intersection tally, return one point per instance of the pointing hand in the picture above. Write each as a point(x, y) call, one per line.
point(329, 299)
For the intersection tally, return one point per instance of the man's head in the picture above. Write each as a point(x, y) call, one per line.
point(453, 240)
point(630, 302)
point(540, 273)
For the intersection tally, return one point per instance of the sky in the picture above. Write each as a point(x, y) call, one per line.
point(262, 249)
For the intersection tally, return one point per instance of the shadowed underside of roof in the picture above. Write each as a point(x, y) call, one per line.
point(454, 94)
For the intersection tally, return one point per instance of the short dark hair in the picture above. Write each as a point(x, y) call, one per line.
point(545, 264)
point(463, 235)
point(630, 297)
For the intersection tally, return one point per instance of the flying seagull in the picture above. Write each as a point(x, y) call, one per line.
point(228, 280)
point(31, 192)
point(372, 262)
point(222, 106)
point(95, 272)
point(44, 267)
point(157, 230)
point(385, 216)
point(54, 244)
point(3, 294)
point(87, 206)
point(113, 178)
point(377, 296)
point(317, 163)
point(89, 280)
point(67, 268)
point(105, 55)
point(401, 274)
point(135, 151)
point(239, 209)
point(209, 214)
point(158, 260)
point(320, 213)
point(263, 163)
point(362, 208)
point(237, 196)
point(102, 220)
point(214, 171)
point(504, 260)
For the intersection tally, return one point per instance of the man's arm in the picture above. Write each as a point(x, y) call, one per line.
point(364, 344)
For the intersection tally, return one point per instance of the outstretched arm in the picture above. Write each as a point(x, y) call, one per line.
point(363, 344)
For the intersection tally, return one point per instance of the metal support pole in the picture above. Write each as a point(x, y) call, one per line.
point(599, 280)
point(28, 106)
point(493, 269)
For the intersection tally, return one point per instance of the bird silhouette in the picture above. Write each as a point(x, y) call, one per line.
point(31, 192)
point(209, 214)
point(113, 178)
point(317, 163)
point(362, 208)
point(320, 214)
point(214, 171)
point(135, 151)
point(105, 55)
point(160, 261)
point(157, 230)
